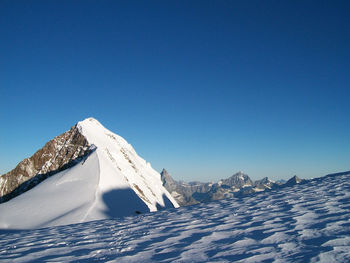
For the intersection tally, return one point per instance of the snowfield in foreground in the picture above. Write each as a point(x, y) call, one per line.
point(305, 223)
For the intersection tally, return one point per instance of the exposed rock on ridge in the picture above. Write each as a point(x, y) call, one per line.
point(58, 154)
point(238, 180)
point(181, 193)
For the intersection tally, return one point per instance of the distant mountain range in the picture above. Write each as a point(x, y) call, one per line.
point(238, 184)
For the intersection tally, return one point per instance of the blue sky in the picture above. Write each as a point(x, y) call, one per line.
point(202, 88)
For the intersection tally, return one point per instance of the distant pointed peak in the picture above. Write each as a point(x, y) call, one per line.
point(294, 180)
point(164, 172)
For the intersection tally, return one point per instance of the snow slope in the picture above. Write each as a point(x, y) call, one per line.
point(308, 222)
point(122, 168)
point(112, 182)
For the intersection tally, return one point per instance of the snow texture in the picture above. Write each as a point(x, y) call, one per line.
point(307, 222)
point(112, 182)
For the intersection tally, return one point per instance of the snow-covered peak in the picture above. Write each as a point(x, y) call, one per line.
point(111, 181)
point(121, 167)
point(96, 133)
point(238, 180)
point(90, 123)
point(91, 119)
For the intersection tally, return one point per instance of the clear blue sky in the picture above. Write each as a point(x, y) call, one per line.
point(202, 88)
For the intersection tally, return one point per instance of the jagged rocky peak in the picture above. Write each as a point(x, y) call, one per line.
point(180, 191)
point(265, 183)
point(294, 180)
point(58, 154)
point(238, 180)
point(168, 182)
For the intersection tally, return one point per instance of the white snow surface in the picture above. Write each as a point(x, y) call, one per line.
point(122, 168)
point(308, 222)
point(112, 182)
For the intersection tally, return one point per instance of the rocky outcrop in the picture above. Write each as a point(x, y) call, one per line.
point(265, 183)
point(238, 180)
point(293, 181)
point(179, 191)
point(58, 154)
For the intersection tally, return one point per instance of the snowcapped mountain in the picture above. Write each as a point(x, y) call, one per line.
point(85, 174)
point(264, 183)
point(238, 180)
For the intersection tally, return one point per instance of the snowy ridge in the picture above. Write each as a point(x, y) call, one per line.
point(121, 167)
point(307, 222)
point(111, 181)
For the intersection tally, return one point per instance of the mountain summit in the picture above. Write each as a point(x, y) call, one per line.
point(87, 173)
point(293, 181)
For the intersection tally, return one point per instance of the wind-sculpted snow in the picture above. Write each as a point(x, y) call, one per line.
point(309, 222)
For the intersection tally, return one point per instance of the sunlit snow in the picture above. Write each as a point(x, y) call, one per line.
point(308, 222)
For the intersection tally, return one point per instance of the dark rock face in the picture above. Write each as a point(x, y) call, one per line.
point(181, 192)
point(238, 180)
point(265, 183)
point(168, 181)
point(58, 154)
point(293, 181)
